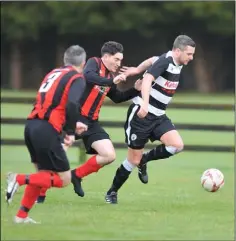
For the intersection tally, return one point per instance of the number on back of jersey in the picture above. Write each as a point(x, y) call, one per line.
point(50, 80)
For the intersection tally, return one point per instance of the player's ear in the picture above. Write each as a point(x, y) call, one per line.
point(107, 55)
point(83, 64)
point(178, 50)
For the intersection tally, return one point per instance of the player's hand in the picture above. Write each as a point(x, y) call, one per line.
point(142, 111)
point(80, 128)
point(65, 147)
point(138, 84)
point(69, 140)
point(129, 71)
point(119, 78)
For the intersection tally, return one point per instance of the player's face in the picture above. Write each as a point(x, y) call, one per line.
point(186, 55)
point(114, 61)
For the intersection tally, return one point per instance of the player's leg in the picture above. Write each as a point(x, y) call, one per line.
point(42, 194)
point(137, 132)
point(43, 191)
point(29, 191)
point(52, 163)
point(122, 173)
point(96, 142)
point(75, 181)
point(172, 144)
point(32, 157)
point(105, 155)
point(32, 190)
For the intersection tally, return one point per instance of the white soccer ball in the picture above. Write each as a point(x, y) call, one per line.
point(212, 180)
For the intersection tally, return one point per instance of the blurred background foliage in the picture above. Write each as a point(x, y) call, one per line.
point(35, 35)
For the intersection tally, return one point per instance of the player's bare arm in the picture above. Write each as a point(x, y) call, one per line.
point(131, 71)
point(145, 90)
point(138, 84)
point(153, 73)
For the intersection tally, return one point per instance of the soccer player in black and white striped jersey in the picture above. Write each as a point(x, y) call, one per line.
point(146, 118)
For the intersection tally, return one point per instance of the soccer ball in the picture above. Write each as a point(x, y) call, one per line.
point(212, 180)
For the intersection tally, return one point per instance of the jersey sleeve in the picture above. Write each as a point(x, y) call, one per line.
point(155, 59)
point(118, 96)
point(72, 108)
point(91, 73)
point(159, 67)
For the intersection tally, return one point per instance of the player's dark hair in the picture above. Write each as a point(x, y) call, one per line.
point(74, 55)
point(182, 41)
point(112, 48)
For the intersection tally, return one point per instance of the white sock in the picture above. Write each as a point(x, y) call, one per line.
point(172, 149)
point(128, 165)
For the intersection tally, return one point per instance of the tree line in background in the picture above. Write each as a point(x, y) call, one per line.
point(210, 24)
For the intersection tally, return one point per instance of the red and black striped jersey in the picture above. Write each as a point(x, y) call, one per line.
point(99, 84)
point(52, 96)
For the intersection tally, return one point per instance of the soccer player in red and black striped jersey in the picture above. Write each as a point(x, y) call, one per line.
point(100, 82)
point(57, 102)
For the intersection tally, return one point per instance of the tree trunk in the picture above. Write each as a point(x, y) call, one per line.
point(59, 54)
point(15, 67)
point(203, 72)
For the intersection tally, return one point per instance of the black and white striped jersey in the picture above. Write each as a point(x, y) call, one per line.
point(167, 74)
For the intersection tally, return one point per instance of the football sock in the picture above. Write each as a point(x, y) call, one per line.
point(40, 179)
point(43, 191)
point(30, 195)
point(159, 152)
point(88, 167)
point(122, 174)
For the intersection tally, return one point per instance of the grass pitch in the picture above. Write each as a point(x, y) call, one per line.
point(172, 206)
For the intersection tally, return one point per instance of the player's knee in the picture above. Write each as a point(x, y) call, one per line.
point(65, 177)
point(175, 148)
point(110, 157)
point(135, 161)
point(135, 158)
point(179, 146)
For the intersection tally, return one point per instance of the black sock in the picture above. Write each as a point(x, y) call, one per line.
point(121, 176)
point(159, 152)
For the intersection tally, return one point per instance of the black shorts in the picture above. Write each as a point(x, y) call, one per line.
point(94, 133)
point(44, 145)
point(138, 131)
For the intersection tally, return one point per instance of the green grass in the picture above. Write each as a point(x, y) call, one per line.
point(204, 98)
point(18, 94)
point(15, 110)
point(117, 135)
point(177, 116)
point(227, 98)
point(189, 137)
point(119, 114)
point(173, 206)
